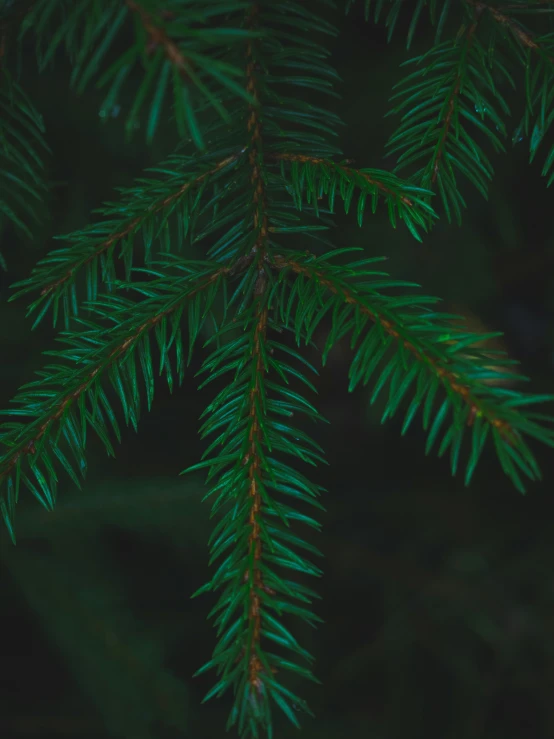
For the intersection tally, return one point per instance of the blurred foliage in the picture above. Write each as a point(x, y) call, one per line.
point(438, 601)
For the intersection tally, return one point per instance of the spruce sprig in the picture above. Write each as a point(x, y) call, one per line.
point(238, 185)
point(144, 209)
point(457, 91)
point(452, 92)
point(69, 398)
point(177, 44)
point(22, 148)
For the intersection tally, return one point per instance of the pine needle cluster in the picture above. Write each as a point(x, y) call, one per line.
point(258, 164)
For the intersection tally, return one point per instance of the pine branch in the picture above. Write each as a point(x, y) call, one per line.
point(22, 146)
point(524, 38)
point(59, 399)
point(529, 47)
point(89, 29)
point(439, 100)
point(146, 209)
point(253, 587)
point(269, 159)
point(315, 177)
point(154, 201)
point(251, 409)
point(441, 355)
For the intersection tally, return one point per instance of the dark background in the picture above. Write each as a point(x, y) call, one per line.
point(438, 600)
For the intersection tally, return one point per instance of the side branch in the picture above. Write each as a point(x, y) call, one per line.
point(524, 37)
point(449, 379)
point(153, 209)
point(341, 168)
point(453, 97)
point(26, 442)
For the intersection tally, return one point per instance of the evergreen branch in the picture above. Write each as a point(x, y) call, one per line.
point(529, 46)
point(76, 26)
point(234, 200)
point(99, 352)
point(317, 176)
point(55, 275)
point(523, 36)
point(250, 419)
point(22, 185)
point(251, 587)
point(440, 98)
point(441, 355)
point(254, 684)
point(197, 62)
point(290, 59)
point(453, 96)
point(89, 29)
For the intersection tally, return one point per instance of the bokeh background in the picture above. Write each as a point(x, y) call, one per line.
point(438, 600)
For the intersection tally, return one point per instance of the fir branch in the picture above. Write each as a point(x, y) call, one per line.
point(250, 418)
point(100, 352)
point(22, 146)
point(320, 176)
point(529, 47)
point(241, 658)
point(452, 100)
point(55, 275)
point(440, 99)
point(523, 36)
point(88, 31)
point(474, 401)
point(234, 200)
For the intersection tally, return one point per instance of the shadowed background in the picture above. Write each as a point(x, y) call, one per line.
point(438, 601)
